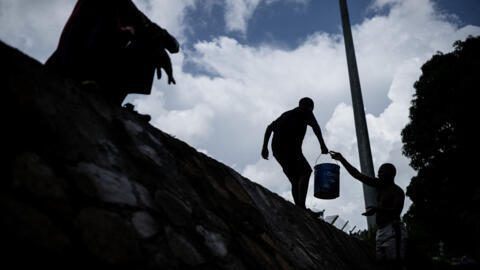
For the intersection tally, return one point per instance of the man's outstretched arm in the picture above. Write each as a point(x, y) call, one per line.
point(371, 181)
point(266, 138)
point(318, 133)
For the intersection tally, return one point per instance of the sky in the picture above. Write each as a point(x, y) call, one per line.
point(244, 62)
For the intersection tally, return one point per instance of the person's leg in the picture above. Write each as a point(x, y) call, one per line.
point(294, 182)
point(303, 188)
point(288, 166)
point(380, 239)
point(387, 248)
point(304, 179)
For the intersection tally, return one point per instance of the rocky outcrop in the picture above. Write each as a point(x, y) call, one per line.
point(91, 184)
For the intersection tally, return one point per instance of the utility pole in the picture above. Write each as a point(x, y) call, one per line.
point(363, 141)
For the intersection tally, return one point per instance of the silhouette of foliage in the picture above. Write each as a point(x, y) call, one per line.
point(440, 140)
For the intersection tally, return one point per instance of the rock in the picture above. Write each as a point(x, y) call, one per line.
point(108, 236)
point(30, 227)
point(177, 211)
point(183, 249)
point(258, 253)
point(149, 152)
point(133, 127)
point(106, 185)
point(143, 195)
point(145, 224)
point(34, 176)
point(214, 241)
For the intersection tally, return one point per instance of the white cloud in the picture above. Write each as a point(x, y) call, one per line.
point(239, 12)
point(34, 26)
point(268, 174)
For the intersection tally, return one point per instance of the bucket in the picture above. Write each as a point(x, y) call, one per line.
point(327, 181)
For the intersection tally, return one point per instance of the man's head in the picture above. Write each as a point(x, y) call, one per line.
point(387, 172)
point(306, 102)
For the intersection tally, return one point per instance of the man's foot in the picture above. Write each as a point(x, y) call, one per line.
point(143, 117)
point(315, 214)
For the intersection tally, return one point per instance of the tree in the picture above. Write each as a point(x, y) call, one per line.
point(441, 141)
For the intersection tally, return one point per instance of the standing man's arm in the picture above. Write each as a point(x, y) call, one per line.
point(318, 133)
point(266, 138)
point(371, 181)
point(311, 121)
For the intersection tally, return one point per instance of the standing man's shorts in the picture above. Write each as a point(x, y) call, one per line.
point(293, 163)
point(391, 242)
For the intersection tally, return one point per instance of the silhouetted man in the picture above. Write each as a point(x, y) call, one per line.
point(288, 133)
point(391, 233)
point(112, 43)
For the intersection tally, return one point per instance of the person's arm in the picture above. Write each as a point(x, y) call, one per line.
point(311, 121)
point(166, 64)
point(266, 138)
point(318, 133)
point(371, 181)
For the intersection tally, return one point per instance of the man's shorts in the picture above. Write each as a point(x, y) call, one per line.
point(391, 242)
point(294, 164)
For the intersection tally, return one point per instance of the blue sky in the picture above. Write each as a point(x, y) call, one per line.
point(244, 62)
point(287, 23)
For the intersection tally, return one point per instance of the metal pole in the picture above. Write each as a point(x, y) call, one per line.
point(364, 151)
point(334, 219)
point(344, 225)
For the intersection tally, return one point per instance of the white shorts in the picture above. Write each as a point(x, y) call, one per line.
point(387, 245)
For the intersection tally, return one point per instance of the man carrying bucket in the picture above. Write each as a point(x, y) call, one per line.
point(288, 132)
point(391, 233)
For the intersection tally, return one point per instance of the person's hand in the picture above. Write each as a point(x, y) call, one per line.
point(265, 153)
point(336, 155)
point(324, 149)
point(164, 62)
point(370, 211)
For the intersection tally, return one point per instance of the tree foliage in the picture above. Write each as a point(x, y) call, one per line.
point(441, 142)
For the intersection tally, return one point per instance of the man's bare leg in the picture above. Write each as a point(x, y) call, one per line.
point(295, 192)
point(302, 194)
point(303, 188)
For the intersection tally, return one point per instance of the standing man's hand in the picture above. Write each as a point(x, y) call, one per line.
point(265, 153)
point(324, 149)
point(336, 156)
point(370, 211)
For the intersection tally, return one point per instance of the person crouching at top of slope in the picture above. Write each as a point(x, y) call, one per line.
point(114, 45)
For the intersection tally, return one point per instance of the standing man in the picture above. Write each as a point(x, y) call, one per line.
point(391, 233)
point(288, 133)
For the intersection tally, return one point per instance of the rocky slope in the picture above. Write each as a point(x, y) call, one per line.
point(90, 184)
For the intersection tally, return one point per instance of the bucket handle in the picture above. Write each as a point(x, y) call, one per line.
point(336, 161)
